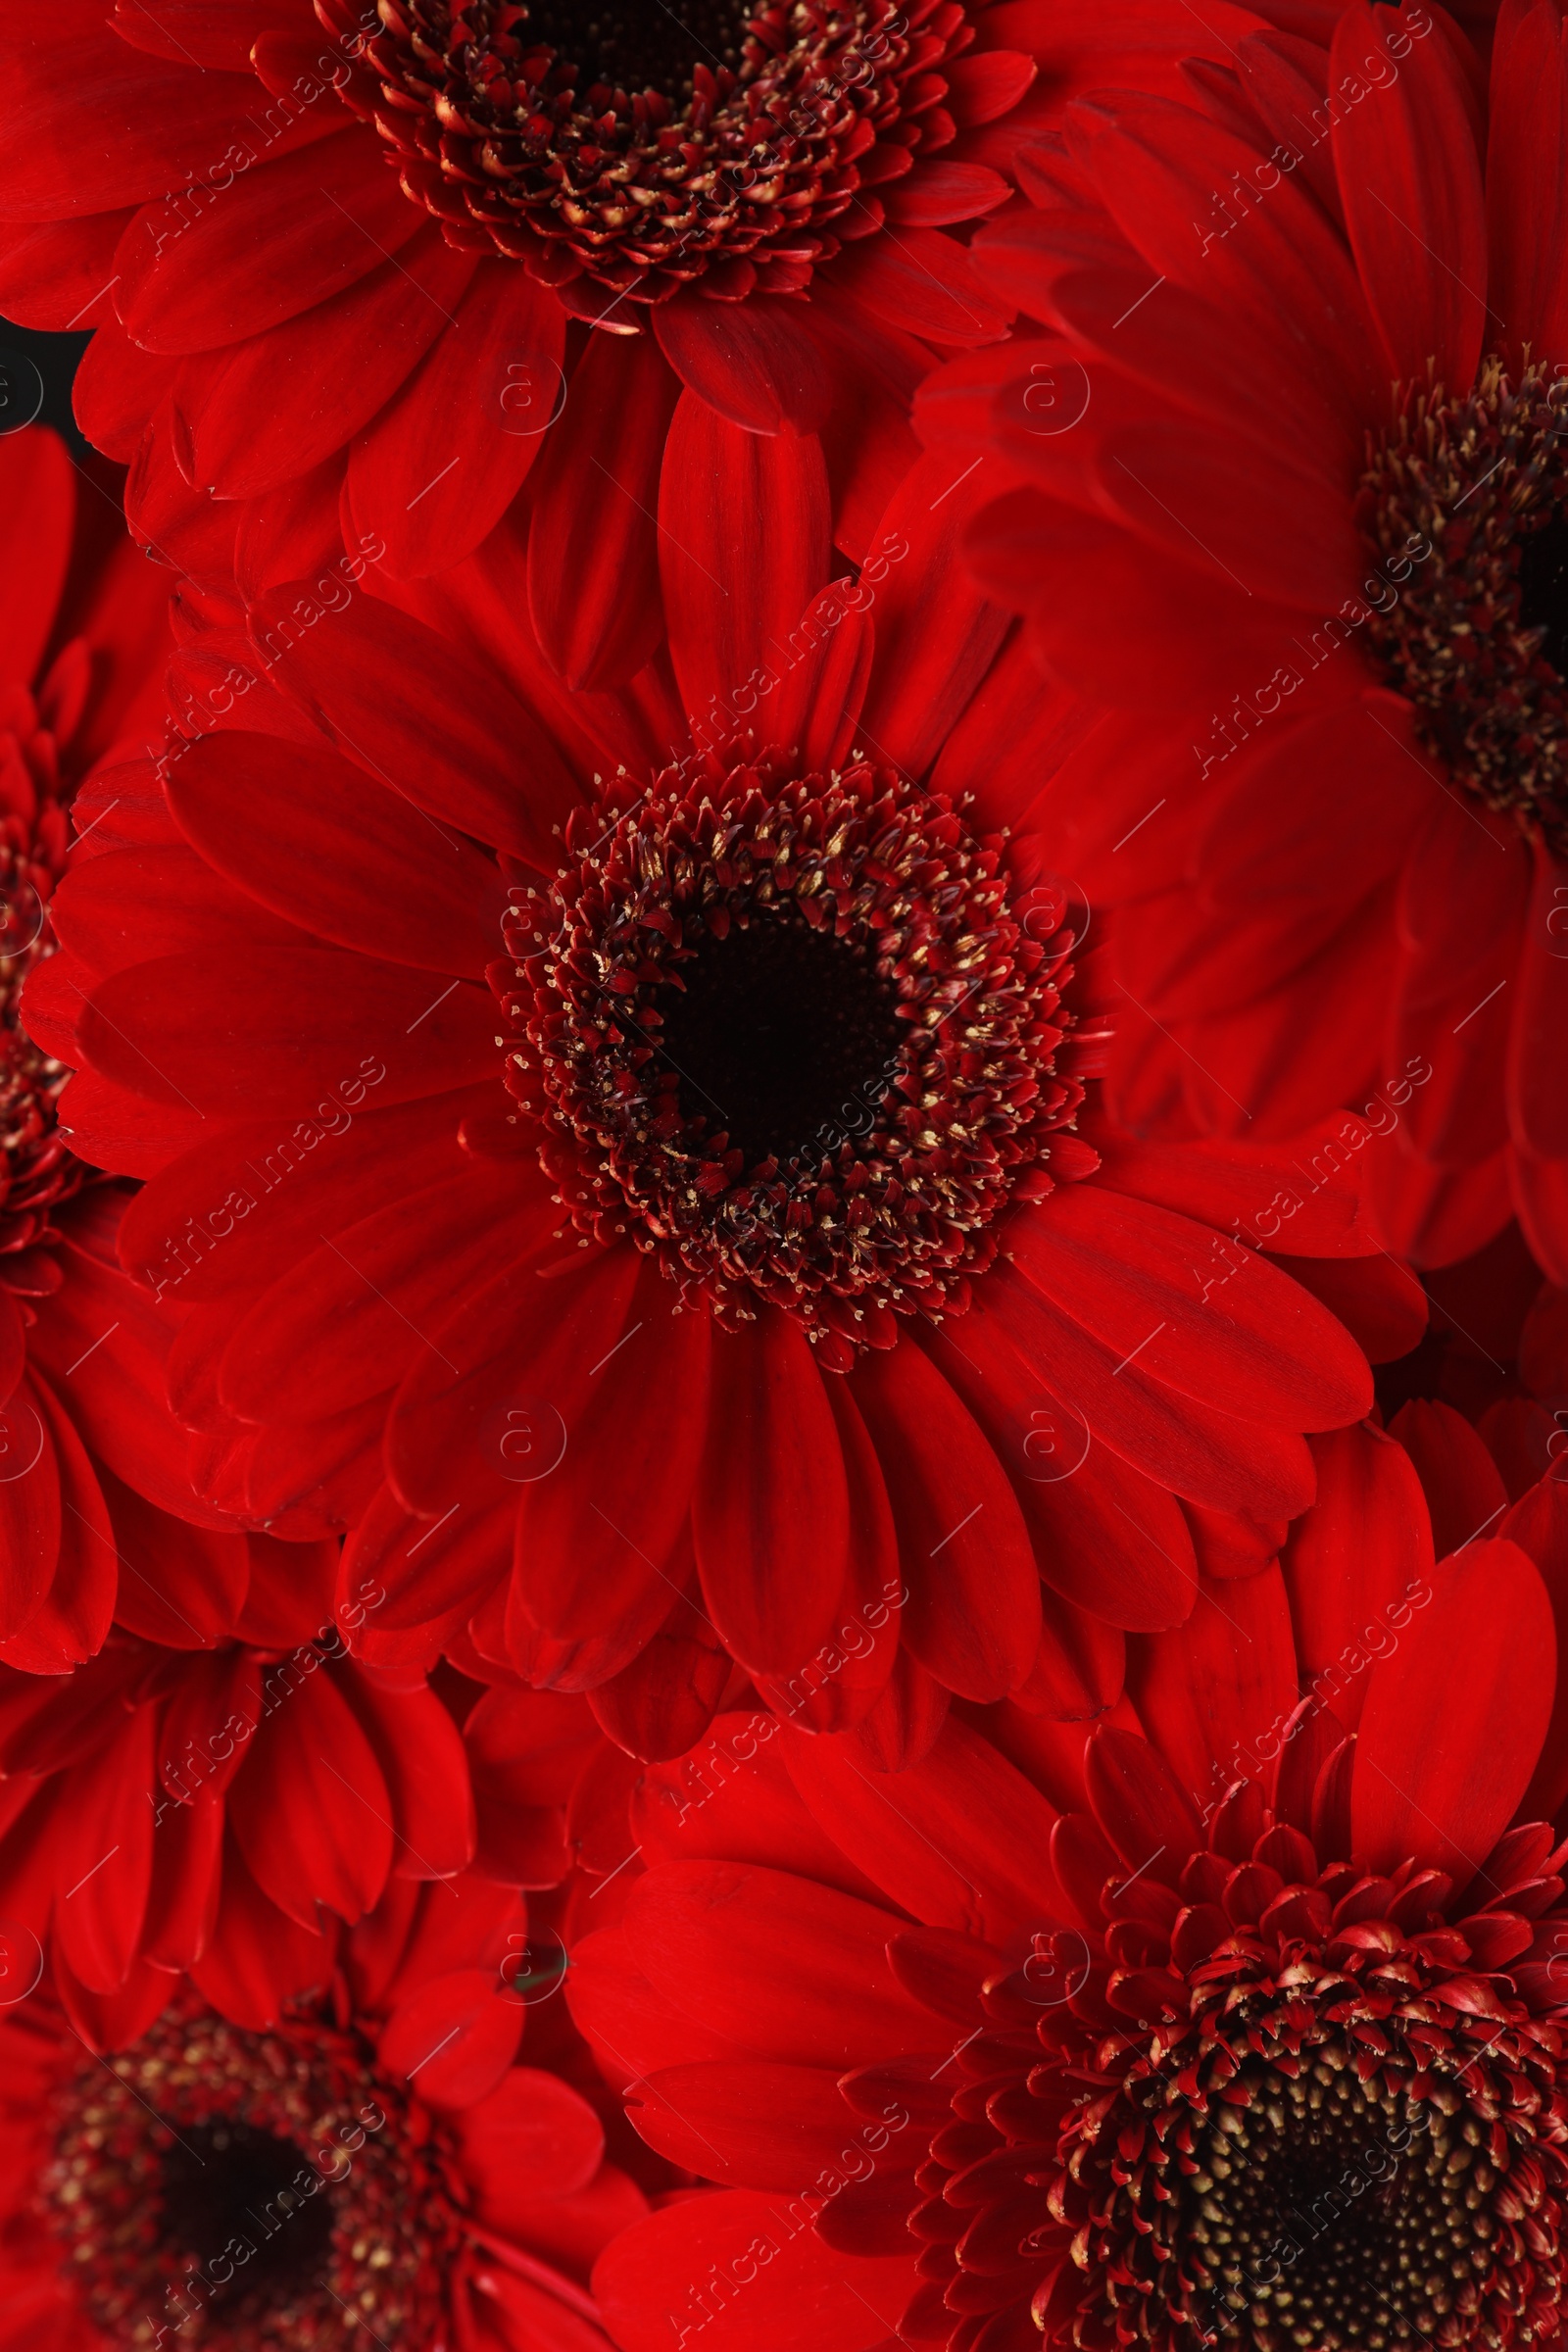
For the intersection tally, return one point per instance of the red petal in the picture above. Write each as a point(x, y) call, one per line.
point(922, 282)
point(934, 634)
point(532, 2136)
point(1140, 1278)
point(604, 1523)
point(422, 713)
point(103, 1855)
point(39, 492)
point(1138, 1804)
point(1463, 1486)
point(59, 275)
point(452, 2039)
point(733, 596)
point(30, 1511)
point(1366, 1542)
point(746, 2124)
point(972, 1618)
point(1538, 1093)
point(282, 1194)
point(345, 1322)
point(180, 1586)
point(939, 194)
point(425, 1769)
point(785, 1968)
point(753, 362)
point(431, 496)
point(1207, 1456)
point(515, 1361)
point(806, 2297)
point(257, 1957)
point(74, 1617)
point(960, 1840)
point(1454, 1721)
point(311, 1810)
point(592, 558)
point(305, 228)
point(182, 1901)
point(1524, 191)
point(277, 406)
point(1410, 180)
point(136, 126)
point(238, 1033)
point(1105, 1538)
point(1217, 1696)
point(1539, 1524)
point(770, 1517)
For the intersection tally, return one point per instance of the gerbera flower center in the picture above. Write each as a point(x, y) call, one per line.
point(1467, 501)
point(647, 146)
point(797, 1035)
point(250, 2191)
point(774, 1029)
point(1267, 2105)
point(216, 2175)
point(1334, 2215)
point(640, 45)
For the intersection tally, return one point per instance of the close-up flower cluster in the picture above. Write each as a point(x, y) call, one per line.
point(784, 1176)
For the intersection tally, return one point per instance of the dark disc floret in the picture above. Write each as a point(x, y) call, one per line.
point(1269, 2104)
point(1467, 500)
point(804, 1037)
point(646, 146)
point(260, 2192)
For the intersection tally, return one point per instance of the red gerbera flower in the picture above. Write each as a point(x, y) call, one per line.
point(91, 1465)
point(1237, 2018)
point(371, 2166)
point(216, 1807)
point(736, 1258)
point(350, 255)
point(1314, 513)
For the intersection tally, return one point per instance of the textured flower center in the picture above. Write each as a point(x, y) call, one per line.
point(1265, 2105)
point(639, 45)
point(1468, 503)
point(1332, 2214)
point(648, 146)
point(799, 1036)
point(250, 2191)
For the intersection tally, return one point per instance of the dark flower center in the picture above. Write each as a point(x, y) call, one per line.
point(799, 1036)
point(1543, 589)
point(633, 45)
point(1336, 2216)
point(777, 1031)
point(1467, 501)
point(262, 2192)
point(227, 2184)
